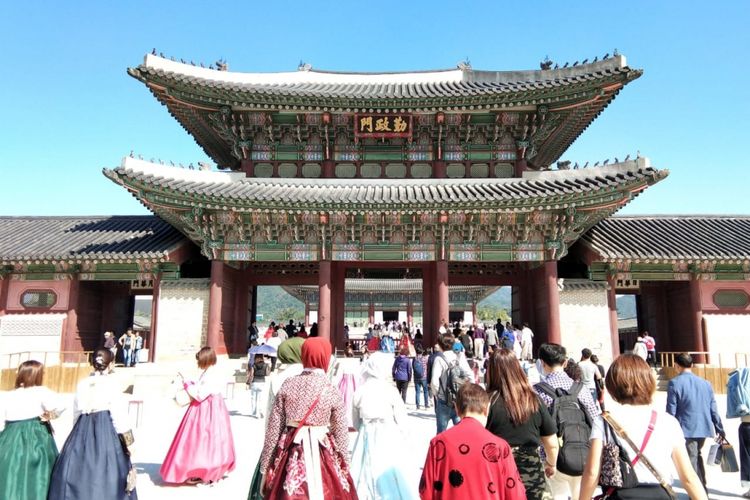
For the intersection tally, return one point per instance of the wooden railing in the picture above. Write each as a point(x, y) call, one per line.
point(62, 370)
point(712, 366)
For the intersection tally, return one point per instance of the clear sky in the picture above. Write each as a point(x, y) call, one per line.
point(69, 108)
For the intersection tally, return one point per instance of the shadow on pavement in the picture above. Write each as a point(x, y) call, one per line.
point(152, 470)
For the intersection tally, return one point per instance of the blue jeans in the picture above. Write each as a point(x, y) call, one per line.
point(420, 386)
point(444, 413)
point(126, 356)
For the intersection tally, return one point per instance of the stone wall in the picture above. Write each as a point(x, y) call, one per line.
point(729, 335)
point(35, 333)
point(182, 318)
point(584, 319)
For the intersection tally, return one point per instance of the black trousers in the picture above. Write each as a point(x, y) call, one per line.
point(744, 432)
point(694, 447)
point(402, 386)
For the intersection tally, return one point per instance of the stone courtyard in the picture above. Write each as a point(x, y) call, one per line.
point(161, 416)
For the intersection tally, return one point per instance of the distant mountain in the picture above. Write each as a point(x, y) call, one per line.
point(277, 305)
point(500, 299)
point(626, 307)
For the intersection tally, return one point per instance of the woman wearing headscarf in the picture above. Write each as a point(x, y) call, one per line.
point(95, 460)
point(379, 414)
point(305, 449)
point(27, 449)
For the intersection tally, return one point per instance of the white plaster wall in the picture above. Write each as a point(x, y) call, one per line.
point(584, 320)
point(182, 318)
point(35, 333)
point(728, 333)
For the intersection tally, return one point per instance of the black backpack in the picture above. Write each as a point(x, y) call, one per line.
point(418, 369)
point(573, 427)
point(451, 380)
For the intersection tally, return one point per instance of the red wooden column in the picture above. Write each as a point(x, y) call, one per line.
point(429, 323)
point(371, 311)
point(307, 314)
point(71, 321)
point(154, 317)
point(439, 169)
point(338, 304)
point(473, 313)
point(441, 279)
point(553, 302)
point(409, 310)
point(324, 299)
point(614, 333)
point(4, 283)
point(695, 314)
point(214, 337)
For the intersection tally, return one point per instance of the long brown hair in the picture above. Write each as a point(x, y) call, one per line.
point(506, 378)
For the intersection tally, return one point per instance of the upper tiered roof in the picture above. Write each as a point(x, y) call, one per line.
point(201, 99)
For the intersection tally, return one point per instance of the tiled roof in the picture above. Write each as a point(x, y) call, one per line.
point(215, 107)
point(686, 238)
point(222, 189)
point(409, 85)
point(86, 238)
point(380, 287)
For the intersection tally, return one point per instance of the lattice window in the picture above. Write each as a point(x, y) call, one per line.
point(38, 299)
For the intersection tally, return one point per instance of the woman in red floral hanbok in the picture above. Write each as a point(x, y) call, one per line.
point(305, 449)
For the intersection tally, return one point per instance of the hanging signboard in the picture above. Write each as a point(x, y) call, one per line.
point(379, 125)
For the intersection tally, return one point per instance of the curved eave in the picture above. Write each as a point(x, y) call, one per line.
point(603, 188)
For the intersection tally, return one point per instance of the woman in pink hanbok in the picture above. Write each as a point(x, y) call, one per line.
point(203, 448)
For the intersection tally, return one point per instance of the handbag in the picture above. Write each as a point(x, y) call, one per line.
point(271, 472)
point(728, 457)
point(130, 480)
point(616, 468)
point(714, 454)
point(646, 491)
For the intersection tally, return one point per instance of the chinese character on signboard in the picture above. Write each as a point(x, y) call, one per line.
point(382, 125)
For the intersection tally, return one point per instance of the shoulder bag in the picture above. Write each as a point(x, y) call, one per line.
point(271, 473)
point(663, 490)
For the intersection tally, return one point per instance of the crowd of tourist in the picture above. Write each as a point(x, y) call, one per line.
point(521, 427)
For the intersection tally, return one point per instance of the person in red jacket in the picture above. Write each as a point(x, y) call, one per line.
point(467, 460)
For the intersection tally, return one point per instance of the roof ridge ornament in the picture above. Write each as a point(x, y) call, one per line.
point(464, 65)
point(546, 64)
point(303, 66)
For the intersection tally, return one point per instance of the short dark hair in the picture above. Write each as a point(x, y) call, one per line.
point(586, 353)
point(684, 359)
point(446, 341)
point(206, 357)
point(629, 380)
point(471, 398)
point(594, 358)
point(30, 374)
point(552, 354)
point(419, 349)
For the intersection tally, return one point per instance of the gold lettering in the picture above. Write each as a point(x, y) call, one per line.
point(365, 124)
point(399, 124)
point(382, 125)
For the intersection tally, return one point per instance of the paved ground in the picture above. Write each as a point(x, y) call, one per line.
point(161, 417)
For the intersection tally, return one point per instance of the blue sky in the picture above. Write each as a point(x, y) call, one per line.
point(69, 109)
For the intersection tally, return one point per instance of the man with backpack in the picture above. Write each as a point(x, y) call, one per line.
point(574, 411)
point(447, 375)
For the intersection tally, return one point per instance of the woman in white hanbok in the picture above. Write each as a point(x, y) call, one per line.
point(380, 458)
